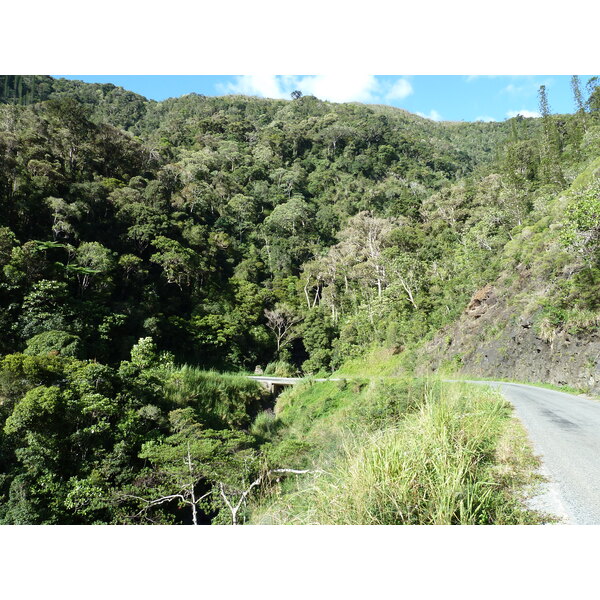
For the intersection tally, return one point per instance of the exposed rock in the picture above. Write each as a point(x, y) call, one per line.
point(479, 302)
point(504, 343)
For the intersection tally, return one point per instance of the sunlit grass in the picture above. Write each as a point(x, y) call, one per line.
point(220, 398)
point(452, 460)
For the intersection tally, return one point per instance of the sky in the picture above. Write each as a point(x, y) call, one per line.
point(438, 97)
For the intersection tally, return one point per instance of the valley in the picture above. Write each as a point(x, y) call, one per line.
point(168, 268)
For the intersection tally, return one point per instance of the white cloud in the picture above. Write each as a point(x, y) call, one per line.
point(469, 78)
point(265, 86)
point(529, 114)
point(527, 86)
point(340, 88)
point(485, 119)
point(335, 88)
point(434, 115)
point(399, 90)
point(512, 89)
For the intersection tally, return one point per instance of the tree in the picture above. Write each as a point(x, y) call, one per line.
point(577, 94)
point(550, 148)
point(179, 264)
point(579, 125)
point(47, 307)
point(593, 90)
point(522, 162)
point(143, 220)
point(64, 417)
point(282, 321)
point(236, 496)
point(366, 236)
point(188, 465)
point(63, 215)
point(93, 262)
point(318, 333)
point(406, 271)
point(180, 472)
point(54, 342)
point(27, 264)
point(73, 133)
point(243, 211)
point(543, 102)
point(581, 232)
point(289, 234)
point(7, 241)
point(145, 353)
point(290, 218)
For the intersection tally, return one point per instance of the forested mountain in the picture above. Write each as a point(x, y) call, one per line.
point(105, 102)
point(211, 210)
point(229, 233)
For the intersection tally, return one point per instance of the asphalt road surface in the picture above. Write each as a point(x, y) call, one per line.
point(565, 432)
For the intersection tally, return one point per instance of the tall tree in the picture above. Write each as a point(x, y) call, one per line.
point(550, 151)
point(577, 94)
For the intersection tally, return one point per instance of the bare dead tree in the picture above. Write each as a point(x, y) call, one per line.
point(281, 321)
point(185, 495)
point(407, 272)
point(242, 495)
point(181, 497)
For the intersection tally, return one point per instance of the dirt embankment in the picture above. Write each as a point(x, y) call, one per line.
point(498, 335)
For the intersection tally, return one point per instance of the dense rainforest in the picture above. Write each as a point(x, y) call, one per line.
point(148, 249)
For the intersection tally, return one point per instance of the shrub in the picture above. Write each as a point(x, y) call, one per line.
point(265, 424)
point(281, 368)
point(54, 342)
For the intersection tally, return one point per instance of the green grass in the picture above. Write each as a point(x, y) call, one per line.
point(376, 361)
point(380, 361)
point(550, 386)
point(220, 399)
point(404, 452)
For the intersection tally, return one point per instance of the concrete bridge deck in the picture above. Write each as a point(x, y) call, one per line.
point(275, 385)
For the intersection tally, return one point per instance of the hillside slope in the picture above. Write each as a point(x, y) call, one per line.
point(195, 215)
point(539, 320)
point(397, 452)
point(137, 237)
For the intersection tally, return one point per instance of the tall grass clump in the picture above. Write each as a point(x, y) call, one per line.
point(220, 399)
point(439, 465)
point(281, 368)
point(265, 425)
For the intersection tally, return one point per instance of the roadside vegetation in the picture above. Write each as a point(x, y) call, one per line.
point(147, 442)
point(567, 389)
point(410, 452)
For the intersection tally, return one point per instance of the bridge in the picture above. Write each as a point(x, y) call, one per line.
point(276, 385)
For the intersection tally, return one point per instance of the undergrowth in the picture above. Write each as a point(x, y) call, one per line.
point(405, 452)
point(220, 399)
point(567, 389)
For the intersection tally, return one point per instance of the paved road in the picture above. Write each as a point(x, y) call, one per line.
point(565, 432)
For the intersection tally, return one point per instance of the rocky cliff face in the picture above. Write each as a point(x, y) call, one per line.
point(499, 335)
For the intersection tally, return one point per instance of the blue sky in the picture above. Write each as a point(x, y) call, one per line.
point(439, 97)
